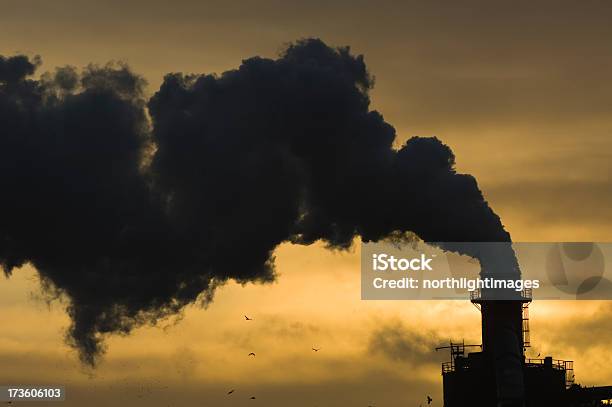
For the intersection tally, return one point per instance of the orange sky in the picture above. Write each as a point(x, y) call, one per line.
point(521, 91)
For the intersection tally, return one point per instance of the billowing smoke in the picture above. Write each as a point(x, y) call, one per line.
point(135, 208)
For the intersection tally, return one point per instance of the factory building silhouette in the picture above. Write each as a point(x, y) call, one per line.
point(472, 379)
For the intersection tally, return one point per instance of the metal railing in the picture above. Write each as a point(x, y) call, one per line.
point(561, 365)
point(525, 296)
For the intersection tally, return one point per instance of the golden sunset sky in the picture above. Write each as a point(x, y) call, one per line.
point(521, 91)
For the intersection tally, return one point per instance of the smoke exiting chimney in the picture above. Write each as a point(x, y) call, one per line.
point(133, 218)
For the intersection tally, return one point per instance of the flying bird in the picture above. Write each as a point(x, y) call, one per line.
point(252, 354)
point(316, 350)
point(247, 318)
point(429, 400)
point(231, 391)
point(252, 397)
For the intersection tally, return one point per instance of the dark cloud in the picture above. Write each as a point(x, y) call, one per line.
point(133, 219)
point(16, 68)
point(398, 342)
point(76, 203)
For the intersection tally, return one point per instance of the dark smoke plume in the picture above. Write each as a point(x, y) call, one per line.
point(134, 216)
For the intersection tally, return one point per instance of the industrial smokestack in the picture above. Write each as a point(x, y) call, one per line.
point(502, 325)
point(132, 219)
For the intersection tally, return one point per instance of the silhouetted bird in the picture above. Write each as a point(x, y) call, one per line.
point(316, 350)
point(231, 391)
point(429, 400)
point(247, 318)
point(252, 354)
point(252, 397)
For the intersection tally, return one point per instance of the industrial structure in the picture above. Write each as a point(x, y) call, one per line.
point(492, 375)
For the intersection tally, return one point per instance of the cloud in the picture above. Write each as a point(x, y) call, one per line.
point(401, 343)
point(576, 202)
point(132, 219)
point(589, 330)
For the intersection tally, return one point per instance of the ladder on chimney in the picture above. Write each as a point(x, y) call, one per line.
point(526, 338)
